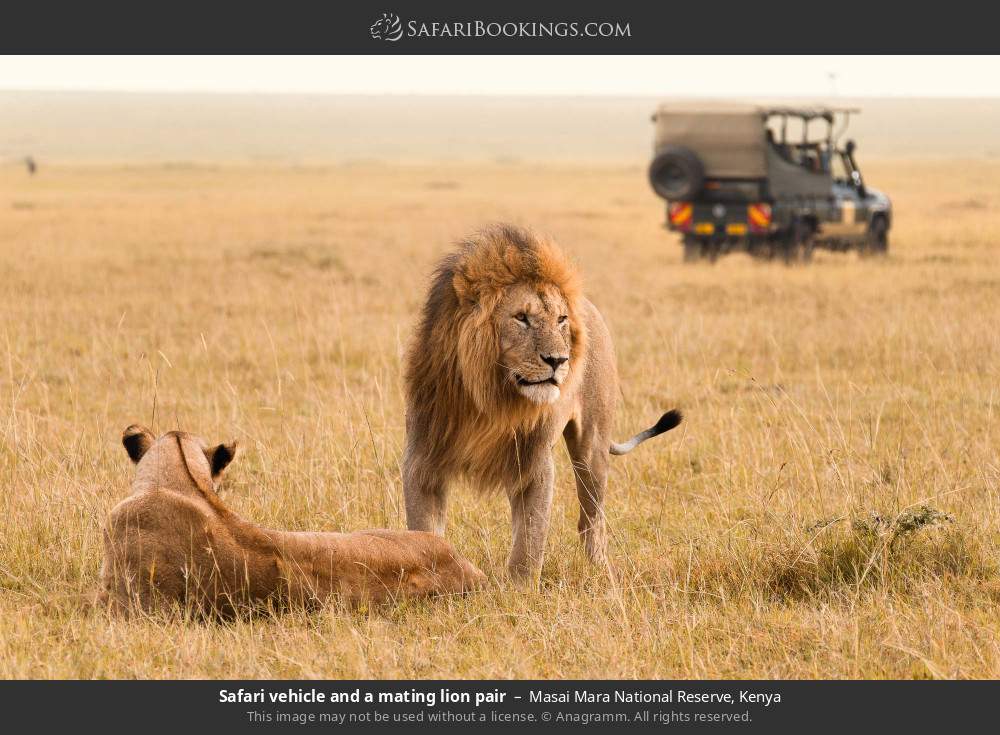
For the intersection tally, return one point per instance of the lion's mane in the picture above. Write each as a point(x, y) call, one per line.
point(460, 404)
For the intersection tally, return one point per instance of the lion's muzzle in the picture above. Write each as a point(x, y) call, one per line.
point(542, 389)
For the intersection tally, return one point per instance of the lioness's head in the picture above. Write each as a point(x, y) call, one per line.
point(176, 457)
point(520, 331)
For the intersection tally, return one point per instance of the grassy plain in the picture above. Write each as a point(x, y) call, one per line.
point(272, 303)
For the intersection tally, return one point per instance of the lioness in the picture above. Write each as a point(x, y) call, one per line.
point(507, 356)
point(172, 540)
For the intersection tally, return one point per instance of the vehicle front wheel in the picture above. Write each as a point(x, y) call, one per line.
point(877, 241)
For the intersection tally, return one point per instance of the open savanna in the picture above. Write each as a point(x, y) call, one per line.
point(272, 304)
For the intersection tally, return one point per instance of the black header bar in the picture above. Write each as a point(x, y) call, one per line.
point(509, 27)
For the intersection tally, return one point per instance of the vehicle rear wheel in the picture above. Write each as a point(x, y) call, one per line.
point(693, 251)
point(877, 241)
point(712, 250)
point(806, 246)
point(798, 245)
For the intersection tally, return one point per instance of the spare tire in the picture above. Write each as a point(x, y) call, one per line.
point(676, 173)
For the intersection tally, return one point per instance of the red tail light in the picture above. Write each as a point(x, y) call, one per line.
point(759, 217)
point(681, 214)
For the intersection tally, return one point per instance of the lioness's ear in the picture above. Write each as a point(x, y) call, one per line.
point(219, 457)
point(137, 440)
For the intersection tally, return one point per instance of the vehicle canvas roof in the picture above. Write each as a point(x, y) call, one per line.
point(729, 137)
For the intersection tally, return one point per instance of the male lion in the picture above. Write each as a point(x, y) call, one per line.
point(172, 540)
point(507, 356)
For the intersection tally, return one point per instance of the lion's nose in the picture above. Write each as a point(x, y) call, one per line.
point(554, 361)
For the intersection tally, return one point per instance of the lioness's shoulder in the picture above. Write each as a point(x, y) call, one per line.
point(152, 509)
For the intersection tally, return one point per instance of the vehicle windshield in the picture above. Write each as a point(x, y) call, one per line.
point(841, 170)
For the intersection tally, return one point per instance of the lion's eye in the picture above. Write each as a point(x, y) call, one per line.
point(562, 319)
point(522, 317)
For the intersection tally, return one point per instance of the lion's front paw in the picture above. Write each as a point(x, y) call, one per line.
point(595, 543)
point(524, 575)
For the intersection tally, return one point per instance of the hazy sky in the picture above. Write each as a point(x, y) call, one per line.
point(809, 76)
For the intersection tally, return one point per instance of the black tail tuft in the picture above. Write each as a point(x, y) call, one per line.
point(667, 421)
point(671, 419)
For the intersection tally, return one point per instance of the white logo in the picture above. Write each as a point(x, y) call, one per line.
point(387, 28)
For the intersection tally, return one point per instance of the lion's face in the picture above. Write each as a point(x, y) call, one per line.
point(533, 325)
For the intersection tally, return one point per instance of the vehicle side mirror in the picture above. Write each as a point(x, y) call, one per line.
point(849, 147)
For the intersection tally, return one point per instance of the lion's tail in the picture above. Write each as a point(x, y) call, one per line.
point(667, 421)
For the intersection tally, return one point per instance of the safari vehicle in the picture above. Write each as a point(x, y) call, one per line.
point(764, 180)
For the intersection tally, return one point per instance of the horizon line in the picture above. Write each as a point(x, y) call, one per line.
point(522, 94)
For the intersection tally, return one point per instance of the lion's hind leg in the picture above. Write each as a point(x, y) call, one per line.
point(589, 456)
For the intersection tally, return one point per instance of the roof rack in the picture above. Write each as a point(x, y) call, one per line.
point(809, 113)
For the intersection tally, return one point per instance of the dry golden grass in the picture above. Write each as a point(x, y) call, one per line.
point(272, 305)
